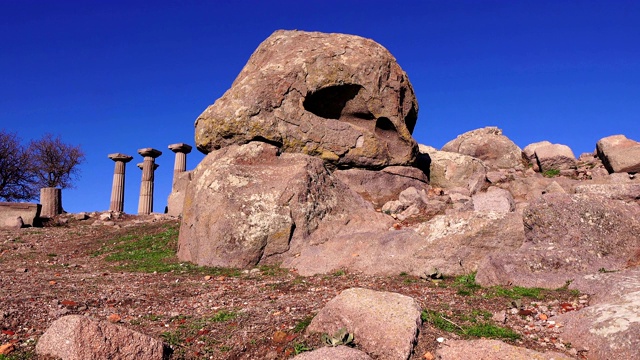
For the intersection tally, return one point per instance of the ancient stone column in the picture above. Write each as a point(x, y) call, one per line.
point(51, 200)
point(117, 189)
point(180, 165)
point(145, 205)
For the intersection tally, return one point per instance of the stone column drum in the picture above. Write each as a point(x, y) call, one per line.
point(180, 165)
point(117, 189)
point(51, 200)
point(145, 204)
point(181, 179)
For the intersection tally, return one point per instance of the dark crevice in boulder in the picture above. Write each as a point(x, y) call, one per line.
point(277, 144)
point(329, 102)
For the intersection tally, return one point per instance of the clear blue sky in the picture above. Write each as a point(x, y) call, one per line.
point(116, 76)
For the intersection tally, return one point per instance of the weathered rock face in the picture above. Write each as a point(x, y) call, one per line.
point(529, 151)
point(382, 186)
point(340, 97)
point(610, 326)
point(567, 236)
point(248, 204)
point(555, 157)
point(624, 192)
point(495, 199)
point(491, 349)
point(489, 145)
point(619, 154)
point(384, 324)
point(450, 169)
point(333, 353)
point(77, 337)
point(455, 244)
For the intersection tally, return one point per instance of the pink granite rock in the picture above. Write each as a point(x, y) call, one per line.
point(491, 350)
point(249, 204)
point(384, 324)
point(619, 154)
point(555, 157)
point(339, 97)
point(77, 337)
point(489, 145)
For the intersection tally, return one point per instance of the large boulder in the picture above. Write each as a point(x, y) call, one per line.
point(77, 337)
point(489, 145)
point(529, 151)
point(567, 236)
point(555, 157)
point(384, 324)
point(450, 170)
point(340, 97)
point(619, 154)
point(249, 204)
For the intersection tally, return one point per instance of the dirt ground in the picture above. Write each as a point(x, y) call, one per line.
point(206, 313)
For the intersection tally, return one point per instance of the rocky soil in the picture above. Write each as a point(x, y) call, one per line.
point(209, 313)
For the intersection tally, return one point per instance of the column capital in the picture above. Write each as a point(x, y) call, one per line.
point(120, 157)
point(180, 148)
point(150, 152)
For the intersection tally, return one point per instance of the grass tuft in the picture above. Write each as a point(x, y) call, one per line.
point(154, 253)
point(469, 325)
point(302, 324)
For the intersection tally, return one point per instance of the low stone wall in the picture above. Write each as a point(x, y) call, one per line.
point(29, 212)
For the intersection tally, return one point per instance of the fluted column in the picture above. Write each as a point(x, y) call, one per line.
point(180, 165)
point(145, 204)
point(117, 189)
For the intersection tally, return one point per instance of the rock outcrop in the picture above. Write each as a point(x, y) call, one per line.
point(489, 145)
point(249, 204)
point(77, 337)
point(340, 97)
point(619, 154)
point(311, 165)
point(555, 157)
point(610, 327)
point(568, 236)
point(450, 170)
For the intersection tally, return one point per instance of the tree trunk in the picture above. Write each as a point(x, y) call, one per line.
point(51, 200)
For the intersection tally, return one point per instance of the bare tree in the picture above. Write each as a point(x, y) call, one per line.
point(16, 177)
point(54, 163)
